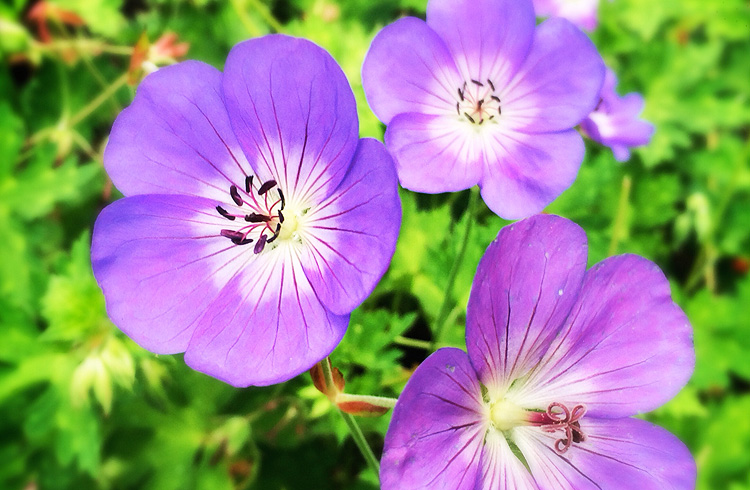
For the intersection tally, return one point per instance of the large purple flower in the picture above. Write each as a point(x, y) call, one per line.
point(558, 360)
point(479, 94)
point(615, 122)
point(255, 219)
point(582, 13)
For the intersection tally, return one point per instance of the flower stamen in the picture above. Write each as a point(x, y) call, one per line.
point(265, 217)
point(479, 104)
point(558, 417)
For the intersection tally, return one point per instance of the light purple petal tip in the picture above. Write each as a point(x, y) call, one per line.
point(352, 235)
point(616, 455)
point(294, 113)
point(525, 286)
point(160, 262)
point(435, 153)
point(489, 39)
point(435, 437)
point(409, 69)
point(175, 138)
point(627, 347)
point(266, 327)
point(525, 172)
point(559, 83)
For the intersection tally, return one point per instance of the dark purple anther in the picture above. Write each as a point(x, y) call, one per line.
point(468, 117)
point(477, 83)
point(492, 85)
point(224, 213)
point(275, 233)
point(248, 183)
point(235, 195)
point(257, 218)
point(281, 216)
point(260, 245)
point(281, 196)
point(267, 186)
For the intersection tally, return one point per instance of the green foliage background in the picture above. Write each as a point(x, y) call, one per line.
point(83, 407)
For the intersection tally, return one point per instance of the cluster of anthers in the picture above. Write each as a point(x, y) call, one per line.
point(264, 217)
point(478, 102)
point(558, 417)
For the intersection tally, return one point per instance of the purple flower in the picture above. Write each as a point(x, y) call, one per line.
point(558, 360)
point(615, 122)
point(580, 12)
point(254, 220)
point(479, 94)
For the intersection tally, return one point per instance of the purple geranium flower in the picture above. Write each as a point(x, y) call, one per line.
point(615, 122)
point(582, 13)
point(255, 219)
point(479, 94)
point(558, 360)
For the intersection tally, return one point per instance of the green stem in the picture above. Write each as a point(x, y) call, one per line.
point(359, 439)
point(619, 228)
point(378, 401)
point(268, 17)
point(351, 422)
point(445, 308)
point(99, 100)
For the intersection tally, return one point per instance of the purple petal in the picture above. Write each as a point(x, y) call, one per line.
point(268, 325)
point(525, 286)
point(352, 235)
point(626, 348)
point(501, 469)
point(436, 433)
point(616, 123)
point(293, 112)
point(435, 153)
point(160, 261)
point(409, 69)
point(489, 39)
point(558, 85)
point(526, 172)
point(175, 137)
point(616, 454)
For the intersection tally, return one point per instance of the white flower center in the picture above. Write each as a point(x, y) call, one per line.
point(477, 102)
point(506, 415)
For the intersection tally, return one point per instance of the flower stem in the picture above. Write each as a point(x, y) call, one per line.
point(445, 308)
point(359, 439)
point(619, 230)
point(378, 401)
point(351, 422)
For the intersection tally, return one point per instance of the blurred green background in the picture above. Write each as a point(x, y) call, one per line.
point(83, 407)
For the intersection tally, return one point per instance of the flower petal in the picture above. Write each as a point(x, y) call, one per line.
point(409, 69)
point(175, 137)
point(525, 172)
point(435, 153)
point(501, 469)
point(489, 39)
point(155, 257)
point(558, 85)
point(352, 235)
point(436, 433)
point(582, 13)
point(617, 454)
point(626, 347)
point(268, 325)
point(525, 286)
point(293, 112)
